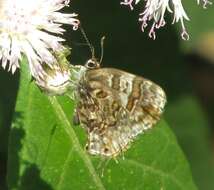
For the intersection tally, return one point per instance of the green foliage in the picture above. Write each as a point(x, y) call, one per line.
point(191, 127)
point(46, 152)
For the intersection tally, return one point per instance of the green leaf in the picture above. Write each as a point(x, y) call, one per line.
point(46, 152)
point(191, 127)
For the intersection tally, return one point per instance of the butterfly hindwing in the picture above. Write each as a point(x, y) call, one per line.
point(115, 107)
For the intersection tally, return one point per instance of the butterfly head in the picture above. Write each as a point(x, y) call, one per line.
point(92, 64)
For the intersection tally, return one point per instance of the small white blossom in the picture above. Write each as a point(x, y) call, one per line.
point(56, 82)
point(155, 11)
point(32, 28)
point(57, 79)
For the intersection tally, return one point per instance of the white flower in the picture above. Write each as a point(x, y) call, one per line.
point(63, 78)
point(155, 10)
point(32, 28)
point(56, 82)
point(57, 79)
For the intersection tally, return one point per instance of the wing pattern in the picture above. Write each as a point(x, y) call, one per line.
point(114, 107)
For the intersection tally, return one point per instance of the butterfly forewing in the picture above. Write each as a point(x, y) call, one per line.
point(115, 106)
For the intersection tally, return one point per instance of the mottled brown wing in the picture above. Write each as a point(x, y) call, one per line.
point(115, 107)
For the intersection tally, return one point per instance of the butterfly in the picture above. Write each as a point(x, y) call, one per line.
point(114, 107)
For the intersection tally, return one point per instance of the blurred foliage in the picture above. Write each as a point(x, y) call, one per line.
point(8, 89)
point(201, 23)
point(127, 48)
point(205, 46)
point(191, 126)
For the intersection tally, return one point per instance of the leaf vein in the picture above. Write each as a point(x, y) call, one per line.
point(61, 178)
point(157, 171)
point(75, 141)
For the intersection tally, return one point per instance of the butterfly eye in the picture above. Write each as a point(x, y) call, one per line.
point(106, 150)
point(92, 64)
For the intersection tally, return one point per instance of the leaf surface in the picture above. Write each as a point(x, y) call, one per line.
point(191, 126)
point(47, 152)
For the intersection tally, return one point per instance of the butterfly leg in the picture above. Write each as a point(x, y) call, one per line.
point(103, 165)
point(76, 120)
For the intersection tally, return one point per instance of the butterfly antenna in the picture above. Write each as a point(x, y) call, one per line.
point(88, 42)
point(102, 48)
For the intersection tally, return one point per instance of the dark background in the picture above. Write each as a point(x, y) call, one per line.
point(184, 69)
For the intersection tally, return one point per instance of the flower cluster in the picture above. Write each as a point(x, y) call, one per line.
point(32, 29)
point(57, 79)
point(155, 11)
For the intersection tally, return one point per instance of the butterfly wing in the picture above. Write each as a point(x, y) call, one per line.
point(117, 106)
